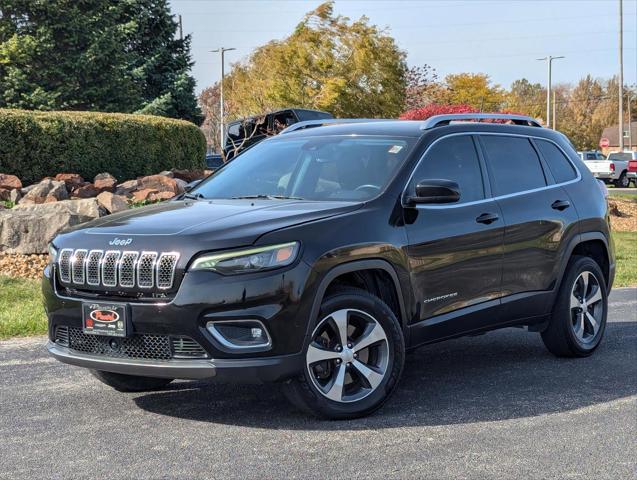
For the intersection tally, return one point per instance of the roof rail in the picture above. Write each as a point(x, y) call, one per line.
point(440, 120)
point(321, 122)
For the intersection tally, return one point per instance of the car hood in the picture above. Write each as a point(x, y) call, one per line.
point(187, 225)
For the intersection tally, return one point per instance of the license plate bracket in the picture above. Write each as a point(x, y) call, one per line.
point(108, 319)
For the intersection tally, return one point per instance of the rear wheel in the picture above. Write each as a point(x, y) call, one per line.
point(579, 315)
point(623, 181)
point(354, 359)
point(130, 383)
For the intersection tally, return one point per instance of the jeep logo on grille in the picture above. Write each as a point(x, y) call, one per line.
point(121, 241)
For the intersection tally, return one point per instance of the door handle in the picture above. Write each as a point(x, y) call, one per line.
point(487, 218)
point(560, 205)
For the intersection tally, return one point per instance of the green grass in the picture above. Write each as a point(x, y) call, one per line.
point(623, 196)
point(22, 314)
point(21, 311)
point(626, 257)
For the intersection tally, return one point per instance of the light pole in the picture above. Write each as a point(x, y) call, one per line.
point(549, 62)
point(222, 136)
point(621, 77)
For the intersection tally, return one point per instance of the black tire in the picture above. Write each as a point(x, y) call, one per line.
point(560, 337)
point(130, 383)
point(623, 181)
point(304, 393)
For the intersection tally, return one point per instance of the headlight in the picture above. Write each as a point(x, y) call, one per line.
point(248, 260)
point(53, 253)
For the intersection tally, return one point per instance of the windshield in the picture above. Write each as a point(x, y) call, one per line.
point(311, 168)
point(619, 156)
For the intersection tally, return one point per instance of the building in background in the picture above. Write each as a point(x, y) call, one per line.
point(612, 135)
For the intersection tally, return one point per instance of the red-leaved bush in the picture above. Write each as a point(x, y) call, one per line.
point(435, 109)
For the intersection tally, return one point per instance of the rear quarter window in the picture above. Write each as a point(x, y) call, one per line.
point(559, 165)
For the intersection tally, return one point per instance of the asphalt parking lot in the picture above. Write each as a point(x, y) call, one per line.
point(494, 406)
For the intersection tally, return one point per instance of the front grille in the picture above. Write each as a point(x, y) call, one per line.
point(114, 269)
point(140, 346)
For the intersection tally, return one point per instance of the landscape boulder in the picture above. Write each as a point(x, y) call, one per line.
point(15, 195)
point(85, 190)
point(4, 194)
point(45, 192)
point(143, 194)
point(28, 229)
point(188, 175)
point(160, 196)
point(127, 187)
point(111, 202)
point(160, 183)
point(72, 180)
point(105, 182)
point(9, 182)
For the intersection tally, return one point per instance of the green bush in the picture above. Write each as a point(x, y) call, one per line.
point(36, 144)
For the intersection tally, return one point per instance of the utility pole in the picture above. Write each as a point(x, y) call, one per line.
point(181, 28)
point(630, 123)
point(554, 112)
point(549, 63)
point(222, 136)
point(621, 76)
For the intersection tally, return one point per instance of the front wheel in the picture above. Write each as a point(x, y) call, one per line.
point(354, 358)
point(579, 316)
point(130, 383)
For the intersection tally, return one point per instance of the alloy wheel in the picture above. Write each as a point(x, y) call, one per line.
point(587, 307)
point(348, 356)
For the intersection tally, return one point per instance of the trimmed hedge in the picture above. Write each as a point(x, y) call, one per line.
point(37, 144)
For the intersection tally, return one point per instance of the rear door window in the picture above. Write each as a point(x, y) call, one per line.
point(561, 168)
point(515, 165)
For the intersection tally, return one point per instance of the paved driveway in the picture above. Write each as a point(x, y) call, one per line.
point(495, 406)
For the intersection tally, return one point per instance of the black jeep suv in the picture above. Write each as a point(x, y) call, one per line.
point(317, 258)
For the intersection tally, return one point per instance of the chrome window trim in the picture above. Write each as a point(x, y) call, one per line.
point(492, 198)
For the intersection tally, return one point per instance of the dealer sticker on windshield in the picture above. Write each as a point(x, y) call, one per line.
point(104, 319)
point(395, 148)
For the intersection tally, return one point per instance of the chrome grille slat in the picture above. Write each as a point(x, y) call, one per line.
point(127, 265)
point(77, 266)
point(65, 264)
point(166, 269)
point(93, 267)
point(146, 270)
point(109, 268)
point(115, 269)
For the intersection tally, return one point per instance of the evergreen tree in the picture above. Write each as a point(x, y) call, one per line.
point(95, 55)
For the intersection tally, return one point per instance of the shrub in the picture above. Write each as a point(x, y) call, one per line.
point(39, 144)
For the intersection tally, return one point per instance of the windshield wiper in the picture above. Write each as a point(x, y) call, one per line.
point(192, 196)
point(266, 197)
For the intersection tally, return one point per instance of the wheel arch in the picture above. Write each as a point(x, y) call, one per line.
point(365, 271)
point(594, 245)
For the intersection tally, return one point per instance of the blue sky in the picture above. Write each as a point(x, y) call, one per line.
point(501, 38)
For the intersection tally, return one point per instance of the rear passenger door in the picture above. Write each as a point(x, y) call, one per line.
point(537, 213)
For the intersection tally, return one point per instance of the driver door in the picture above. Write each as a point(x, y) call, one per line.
point(455, 250)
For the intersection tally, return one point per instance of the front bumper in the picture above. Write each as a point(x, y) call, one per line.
point(270, 298)
point(254, 370)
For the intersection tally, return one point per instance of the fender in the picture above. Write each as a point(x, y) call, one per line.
point(354, 266)
point(574, 242)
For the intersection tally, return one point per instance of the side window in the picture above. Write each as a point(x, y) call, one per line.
point(589, 156)
point(558, 163)
point(514, 163)
point(453, 158)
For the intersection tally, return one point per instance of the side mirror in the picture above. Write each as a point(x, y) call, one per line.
point(436, 191)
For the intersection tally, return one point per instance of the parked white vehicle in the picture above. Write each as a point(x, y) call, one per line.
point(620, 168)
